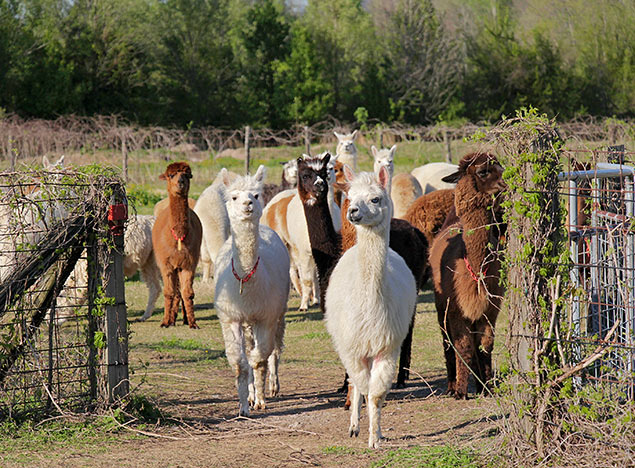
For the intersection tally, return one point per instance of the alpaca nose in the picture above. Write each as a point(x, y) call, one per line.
point(354, 214)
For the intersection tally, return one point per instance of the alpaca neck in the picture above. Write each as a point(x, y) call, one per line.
point(322, 235)
point(179, 215)
point(245, 243)
point(372, 254)
point(476, 237)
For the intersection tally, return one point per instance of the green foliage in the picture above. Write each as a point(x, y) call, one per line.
point(432, 457)
point(138, 196)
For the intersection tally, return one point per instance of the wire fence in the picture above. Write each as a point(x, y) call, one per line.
point(57, 271)
point(600, 197)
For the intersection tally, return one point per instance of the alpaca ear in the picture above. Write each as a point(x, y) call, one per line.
point(260, 173)
point(163, 176)
point(338, 135)
point(392, 151)
point(452, 178)
point(325, 159)
point(349, 175)
point(46, 163)
point(355, 135)
point(373, 151)
point(383, 177)
point(341, 186)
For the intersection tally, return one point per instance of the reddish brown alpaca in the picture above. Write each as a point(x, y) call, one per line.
point(176, 239)
point(428, 212)
point(465, 268)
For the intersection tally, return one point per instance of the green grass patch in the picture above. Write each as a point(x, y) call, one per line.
point(429, 457)
point(190, 344)
point(316, 336)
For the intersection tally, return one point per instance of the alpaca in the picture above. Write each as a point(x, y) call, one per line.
point(163, 204)
point(289, 181)
point(275, 216)
point(252, 288)
point(428, 212)
point(346, 151)
point(404, 188)
point(370, 300)
point(300, 244)
point(430, 176)
point(139, 256)
point(465, 266)
point(410, 243)
point(210, 209)
point(176, 240)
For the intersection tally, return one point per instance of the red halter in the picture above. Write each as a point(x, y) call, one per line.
point(247, 277)
point(469, 269)
point(177, 239)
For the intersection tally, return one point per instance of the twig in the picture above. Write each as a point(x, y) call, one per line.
point(273, 426)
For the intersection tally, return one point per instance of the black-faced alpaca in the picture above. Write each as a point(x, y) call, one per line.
point(465, 267)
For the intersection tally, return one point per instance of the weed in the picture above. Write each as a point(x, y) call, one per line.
point(430, 457)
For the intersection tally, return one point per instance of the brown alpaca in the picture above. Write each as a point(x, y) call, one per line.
point(465, 268)
point(428, 212)
point(176, 240)
point(163, 204)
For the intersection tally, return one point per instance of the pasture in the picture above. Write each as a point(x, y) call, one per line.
point(184, 403)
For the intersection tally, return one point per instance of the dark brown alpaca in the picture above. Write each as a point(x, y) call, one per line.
point(465, 267)
point(176, 240)
point(428, 212)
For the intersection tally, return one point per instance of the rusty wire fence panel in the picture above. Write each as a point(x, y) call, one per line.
point(599, 193)
point(54, 258)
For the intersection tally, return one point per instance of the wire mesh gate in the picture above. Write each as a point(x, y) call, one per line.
point(63, 331)
point(601, 229)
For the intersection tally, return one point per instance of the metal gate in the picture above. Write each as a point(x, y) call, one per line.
point(601, 230)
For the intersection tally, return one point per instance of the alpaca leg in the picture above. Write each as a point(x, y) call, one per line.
point(404, 358)
point(274, 359)
point(205, 260)
point(306, 268)
point(235, 351)
point(356, 409)
point(171, 296)
point(464, 344)
point(295, 278)
point(186, 278)
point(484, 344)
point(381, 374)
point(249, 346)
point(448, 350)
point(264, 336)
point(152, 276)
point(315, 287)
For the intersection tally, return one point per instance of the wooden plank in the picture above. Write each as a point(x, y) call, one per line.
point(116, 324)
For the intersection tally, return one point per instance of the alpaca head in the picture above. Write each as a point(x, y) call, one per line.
point(346, 143)
point(384, 157)
point(481, 176)
point(290, 172)
point(56, 166)
point(313, 178)
point(370, 204)
point(243, 197)
point(178, 176)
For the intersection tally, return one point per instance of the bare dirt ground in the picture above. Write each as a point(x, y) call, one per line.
point(184, 374)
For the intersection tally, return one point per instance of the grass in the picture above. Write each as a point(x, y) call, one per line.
point(429, 457)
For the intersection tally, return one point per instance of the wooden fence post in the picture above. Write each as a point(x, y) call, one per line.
point(116, 313)
point(247, 130)
point(307, 140)
point(448, 149)
point(124, 155)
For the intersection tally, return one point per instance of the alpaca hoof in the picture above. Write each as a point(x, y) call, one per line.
point(373, 442)
point(347, 405)
point(193, 325)
point(460, 396)
point(303, 309)
point(400, 384)
point(164, 325)
point(243, 411)
point(260, 405)
point(353, 431)
point(274, 390)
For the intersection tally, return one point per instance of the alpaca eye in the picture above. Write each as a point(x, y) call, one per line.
point(375, 200)
point(256, 196)
point(234, 197)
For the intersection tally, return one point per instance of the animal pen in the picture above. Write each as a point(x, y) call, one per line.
point(63, 330)
point(601, 203)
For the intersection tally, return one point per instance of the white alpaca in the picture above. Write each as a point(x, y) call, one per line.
point(346, 151)
point(404, 188)
point(211, 210)
point(252, 288)
point(299, 243)
point(430, 175)
point(370, 300)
